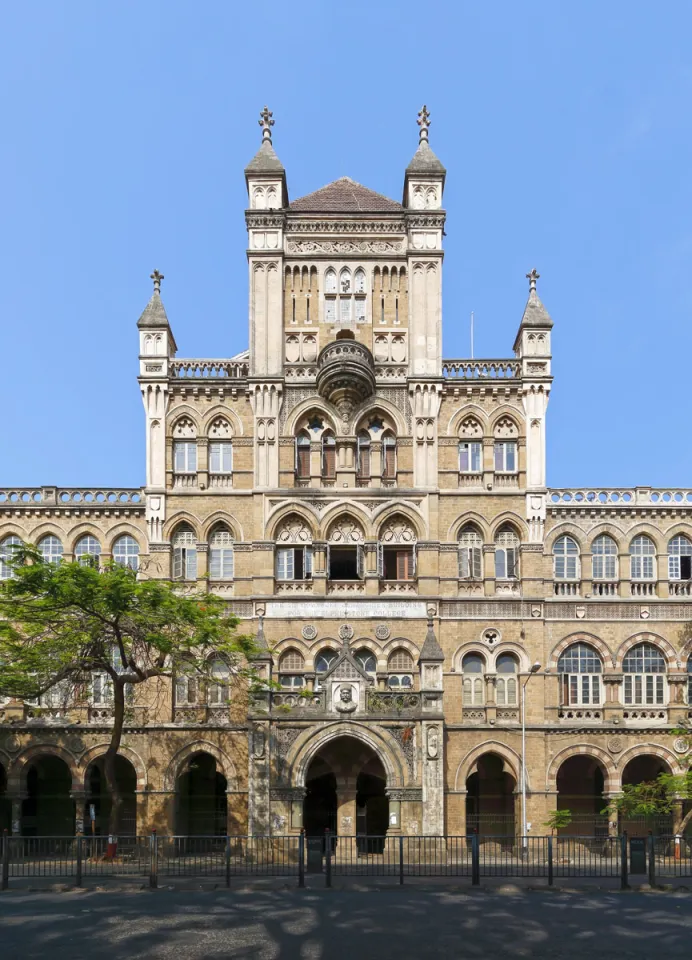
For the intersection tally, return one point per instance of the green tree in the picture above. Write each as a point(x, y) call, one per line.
point(653, 797)
point(62, 623)
point(558, 819)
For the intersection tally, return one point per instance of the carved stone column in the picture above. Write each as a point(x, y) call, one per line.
point(433, 778)
point(258, 779)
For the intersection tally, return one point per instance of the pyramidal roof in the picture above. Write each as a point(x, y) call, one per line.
point(345, 196)
point(535, 314)
point(154, 314)
point(265, 160)
point(425, 161)
point(431, 649)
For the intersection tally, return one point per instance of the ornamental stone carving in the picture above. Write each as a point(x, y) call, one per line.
point(346, 530)
point(294, 530)
point(309, 632)
point(345, 631)
point(382, 631)
point(345, 246)
point(346, 698)
point(433, 743)
point(397, 530)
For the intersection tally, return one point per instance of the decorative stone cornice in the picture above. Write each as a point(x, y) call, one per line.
point(340, 247)
point(360, 225)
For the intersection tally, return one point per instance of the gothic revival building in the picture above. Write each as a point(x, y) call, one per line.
point(379, 516)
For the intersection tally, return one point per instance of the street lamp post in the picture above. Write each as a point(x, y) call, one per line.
point(534, 669)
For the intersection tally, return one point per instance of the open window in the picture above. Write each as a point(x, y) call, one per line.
point(470, 554)
point(184, 553)
point(389, 457)
point(294, 563)
point(363, 462)
point(506, 554)
point(680, 558)
point(346, 551)
point(396, 550)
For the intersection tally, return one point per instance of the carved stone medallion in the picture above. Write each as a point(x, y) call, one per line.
point(309, 632)
point(382, 631)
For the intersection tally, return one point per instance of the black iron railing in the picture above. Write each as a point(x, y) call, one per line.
point(474, 856)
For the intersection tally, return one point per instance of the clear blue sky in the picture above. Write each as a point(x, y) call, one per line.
point(566, 130)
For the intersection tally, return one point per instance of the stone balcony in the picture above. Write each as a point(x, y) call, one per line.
point(200, 714)
point(345, 586)
point(345, 371)
point(398, 586)
point(396, 703)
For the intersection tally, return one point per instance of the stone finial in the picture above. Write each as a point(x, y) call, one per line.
point(424, 124)
point(157, 278)
point(532, 277)
point(266, 123)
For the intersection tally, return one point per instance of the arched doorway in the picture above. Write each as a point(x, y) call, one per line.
point(346, 791)
point(644, 769)
point(5, 803)
point(48, 809)
point(490, 798)
point(201, 800)
point(98, 796)
point(580, 790)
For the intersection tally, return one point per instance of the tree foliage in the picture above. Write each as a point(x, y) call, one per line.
point(558, 819)
point(62, 623)
point(653, 797)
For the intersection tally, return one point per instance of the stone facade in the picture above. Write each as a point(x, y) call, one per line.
point(382, 516)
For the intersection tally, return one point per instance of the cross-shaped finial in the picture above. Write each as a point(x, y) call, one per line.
point(266, 123)
point(157, 278)
point(424, 123)
point(532, 277)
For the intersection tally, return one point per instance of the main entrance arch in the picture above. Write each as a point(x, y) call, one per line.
point(345, 790)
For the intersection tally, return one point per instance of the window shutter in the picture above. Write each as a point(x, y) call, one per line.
point(476, 563)
point(215, 563)
point(685, 568)
point(414, 560)
point(511, 692)
point(464, 567)
point(360, 559)
point(190, 563)
point(228, 564)
point(511, 562)
point(464, 464)
point(215, 457)
point(227, 464)
point(402, 566)
point(389, 471)
point(329, 461)
point(500, 694)
point(308, 562)
point(466, 696)
point(177, 563)
point(380, 560)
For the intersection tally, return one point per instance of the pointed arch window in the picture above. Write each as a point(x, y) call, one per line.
point(8, 549)
point(88, 551)
point(345, 300)
point(330, 281)
point(328, 456)
point(642, 558)
point(221, 544)
point(473, 680)
point(680, 558)
point(389, 457)
point(324, 660)
point(126, 552)
point(470, 554)
point(566, 559)
point(302, 464)
point(604, 558)
point(506, 554)
point(218, 687)
point(291, 670)
point(580, 668)
point(366, 661)
point(644, 683)
point(185, 456)
point(506, 667)
point(184, 554)
point(51, 549)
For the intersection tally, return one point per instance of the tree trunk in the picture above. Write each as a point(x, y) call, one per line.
point(110, 755)
point(685, 820)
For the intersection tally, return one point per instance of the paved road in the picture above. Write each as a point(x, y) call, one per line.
point(343, 925)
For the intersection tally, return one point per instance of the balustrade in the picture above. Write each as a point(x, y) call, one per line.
point(619, 495)
point(481, 369)
point(345, 586)
point(398, 586)
point(642, 589)
point(390, 702)
point(49, 496)
point(209, 369)
point(680, 588)
point(563, 588)
point(602, 588)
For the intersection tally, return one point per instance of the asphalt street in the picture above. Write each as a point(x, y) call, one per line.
point(342, 925)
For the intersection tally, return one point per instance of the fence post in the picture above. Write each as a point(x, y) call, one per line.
point(228, 861)
point(153, 860)
point(401, 859)
point(475, 860)
point(78, 878)
point(550, 861)
point(328, 854)
point(301, 858)
point(623, 862)
point(5, 882)
point(652, 859)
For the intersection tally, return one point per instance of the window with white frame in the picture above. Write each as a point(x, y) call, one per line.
point(101, 690)
point(294, 563)
point(367, 661)
point(505, 456)
point(473, 680)
point(51, 549)
point(506, 554)
point(396, 550)
point(87, 551)
point(506, 668)
point(291, 669)
point(642, 558)
point(126, 552)
point(8, 549)
point(400, 670)
point(220, 456)
point(184, 553)
point(566, 559)
point(221, 554)
point(680, 558)
point(644, 684)
point(470, 457)
point(187, 687)
point(470, 554)
point(580, 668)
point(185, 456)
point(604, 558)
point(345, 299)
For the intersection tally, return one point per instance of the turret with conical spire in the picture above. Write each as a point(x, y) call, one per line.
point(265, 174)
point(425, 175)
point(535, 318)
point(156, 337)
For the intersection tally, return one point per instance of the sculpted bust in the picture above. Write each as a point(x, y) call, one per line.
point(345, 702)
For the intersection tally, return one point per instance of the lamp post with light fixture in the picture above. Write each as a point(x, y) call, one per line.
point(532, 670)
